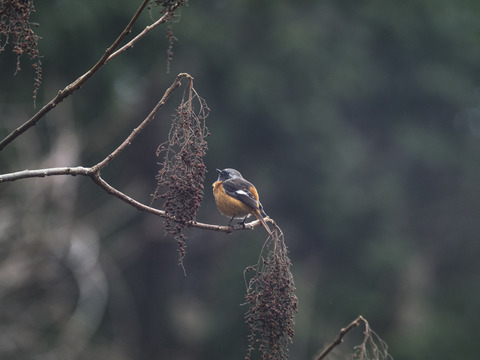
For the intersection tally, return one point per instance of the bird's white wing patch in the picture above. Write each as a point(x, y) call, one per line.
point(243, 192)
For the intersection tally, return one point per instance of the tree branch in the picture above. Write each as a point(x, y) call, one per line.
point(107, 56)
point(151, 210)
point(338, 340)
point(94, 174)
point(94, 171)
point(131, 43)
point(25, 174)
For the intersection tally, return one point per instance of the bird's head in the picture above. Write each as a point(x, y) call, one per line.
point(227, 174)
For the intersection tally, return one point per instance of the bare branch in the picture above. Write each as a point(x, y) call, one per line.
point(151, 210)
point(73, 171)
point(340, 337)
point(371, 348)
point(95, 176)
point(74, 86)
point(145, 31)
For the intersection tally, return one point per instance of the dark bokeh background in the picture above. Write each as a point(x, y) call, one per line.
point(359, 122)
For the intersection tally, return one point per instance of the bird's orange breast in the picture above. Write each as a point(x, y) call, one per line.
point(228, 205)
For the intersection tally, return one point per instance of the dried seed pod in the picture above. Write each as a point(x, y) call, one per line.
point(180, 178)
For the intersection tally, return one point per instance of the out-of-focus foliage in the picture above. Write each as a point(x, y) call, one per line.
point(358, 121)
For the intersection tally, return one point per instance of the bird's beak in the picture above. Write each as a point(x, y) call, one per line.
point(219, 171)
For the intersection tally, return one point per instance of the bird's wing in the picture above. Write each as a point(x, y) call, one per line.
point(243, 191)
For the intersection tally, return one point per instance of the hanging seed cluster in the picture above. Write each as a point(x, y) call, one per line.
point(182, 172)
point(165, 6)
point(273, 304)
point(15, 29)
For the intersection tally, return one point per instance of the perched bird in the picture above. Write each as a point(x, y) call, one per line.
point(237, 198)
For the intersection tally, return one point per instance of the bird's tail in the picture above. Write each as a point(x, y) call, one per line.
point(259, 216)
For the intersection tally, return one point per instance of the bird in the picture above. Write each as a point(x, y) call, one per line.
point(237, 198)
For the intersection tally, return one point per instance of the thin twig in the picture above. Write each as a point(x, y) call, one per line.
point(74, 86)
point(340, 337)
point(166, 17)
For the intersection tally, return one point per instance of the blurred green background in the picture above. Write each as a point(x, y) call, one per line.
point(359, 123)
